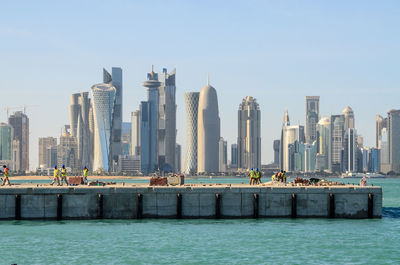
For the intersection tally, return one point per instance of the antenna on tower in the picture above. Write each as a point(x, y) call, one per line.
point(208, 79)
point(152, 68)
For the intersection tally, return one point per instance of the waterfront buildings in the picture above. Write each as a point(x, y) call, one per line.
point(6, 138)
point(45, 144)
point(80, 129)
point(67, 150)
point(348, 115)
point(276, 147)
point(336, 143)
point(394, 140)
point(324, 144)
point(135, 141)
point(208, 131)
point(223, 155)
point(350, 151)
point(103, 97)
point(20, 124)
point(178, 158)
point(167, 120)
point(192, 106)
point(115, 79)
point(249, 134)
point(380, 124)
point(312, 118)
point(234, 156)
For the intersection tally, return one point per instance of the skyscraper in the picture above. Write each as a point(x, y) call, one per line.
point(380, 124)
point(20, 123)
point(249, 134)
point(115, 79)
point(79, 121)
point(150, 124)
point(324, 144)
point(350, 151)
point(223, 155)
point(276, 146)
point(103, 97)
point(192, 106)
point(312, 118)
point(348, 115)
point(6, 138)
point(67, 150)
point(44, 144)
point(234, 155)
point(135, 142)
point(291, 137)
point(208, 130)
point(178, 158)
point(337, 133)
point(167, 120)
point(394, 140)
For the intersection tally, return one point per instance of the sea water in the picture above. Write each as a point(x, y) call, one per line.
point(244, 241)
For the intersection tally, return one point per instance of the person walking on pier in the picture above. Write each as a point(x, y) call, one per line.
point(64, 175)
point(85, 174)
point(55, 176)
point(5, 176)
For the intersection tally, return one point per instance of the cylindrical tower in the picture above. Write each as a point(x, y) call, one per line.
point(208, 131)
point(192, 107)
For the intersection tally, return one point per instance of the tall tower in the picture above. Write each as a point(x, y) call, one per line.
point(115, 79)
point(167, 120)
point(348, 115)
point(350, 150)
point(192, 106)
point(20, 123)
point(103, 96)
point(312, 118)
point(6, 138)
point(324, 143)
point(223, 155)
point(337, 134)
point(135, 142)
point(249, 134)
point(149, 118)
point(380, 124)
point(208, 130)
point(80, 128)
point(394, 140)
point(45, 143)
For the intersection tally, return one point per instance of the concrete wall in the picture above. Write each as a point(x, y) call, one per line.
point(196, 202)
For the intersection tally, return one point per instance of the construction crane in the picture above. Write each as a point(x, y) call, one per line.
point(24, 107)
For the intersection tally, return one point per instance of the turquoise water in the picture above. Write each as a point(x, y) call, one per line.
point(266, 241)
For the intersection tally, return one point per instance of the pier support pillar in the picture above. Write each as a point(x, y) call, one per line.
point(179, 206)
point(294, 205)
point(370, 205)
point(255, 206)
point(217, 206)
point(59, 206)
point(100, 205)
point(139, 208)
point(18, 207)
point(331, 205)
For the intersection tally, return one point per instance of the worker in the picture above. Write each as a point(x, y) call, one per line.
point(258, 176)
point(85, 174)
point(64, 175)
point(363, 181)
point(284, 176)
point(5, 176)
point(251, 174)
point(55, 176)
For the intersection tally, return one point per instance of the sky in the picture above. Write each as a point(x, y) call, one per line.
point(346, 52)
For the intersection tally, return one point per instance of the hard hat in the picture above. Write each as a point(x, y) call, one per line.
point(63, 165)
point(55, 166)
point(257, 169)
point(84, 167)
point(251, 168)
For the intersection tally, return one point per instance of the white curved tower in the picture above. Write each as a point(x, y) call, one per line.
point(192, 107)
point(348, 114)
point(208, 131)
point(103, 97)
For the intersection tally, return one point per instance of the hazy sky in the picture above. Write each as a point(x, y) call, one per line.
point(347, 52)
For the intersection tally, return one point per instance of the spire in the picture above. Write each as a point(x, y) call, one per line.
point(208, 79)
point(286, 121)
point(152, 68)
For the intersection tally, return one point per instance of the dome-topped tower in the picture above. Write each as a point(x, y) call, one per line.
point(208, 127)
point(348, 118)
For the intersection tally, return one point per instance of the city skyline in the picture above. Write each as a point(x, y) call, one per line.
point(350, 61)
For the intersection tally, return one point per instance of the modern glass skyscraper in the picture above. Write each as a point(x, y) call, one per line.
point(394, 139)
point(312, 118)
point(348, 115)
point(167, 120)
point(192, 107)
point(103, 96)
point(234, 155)
point(135, 142)
point(20, 123)
point(6, 138)
point(44, 144)
point(350, 151)
point(324, 144)
point(249, 134)
point(380, 124)
point(337, 133)
point(223, 155)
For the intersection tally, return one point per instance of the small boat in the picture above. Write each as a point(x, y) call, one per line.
point(360, 175)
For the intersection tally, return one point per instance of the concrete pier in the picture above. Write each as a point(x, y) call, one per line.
point(194, 201)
